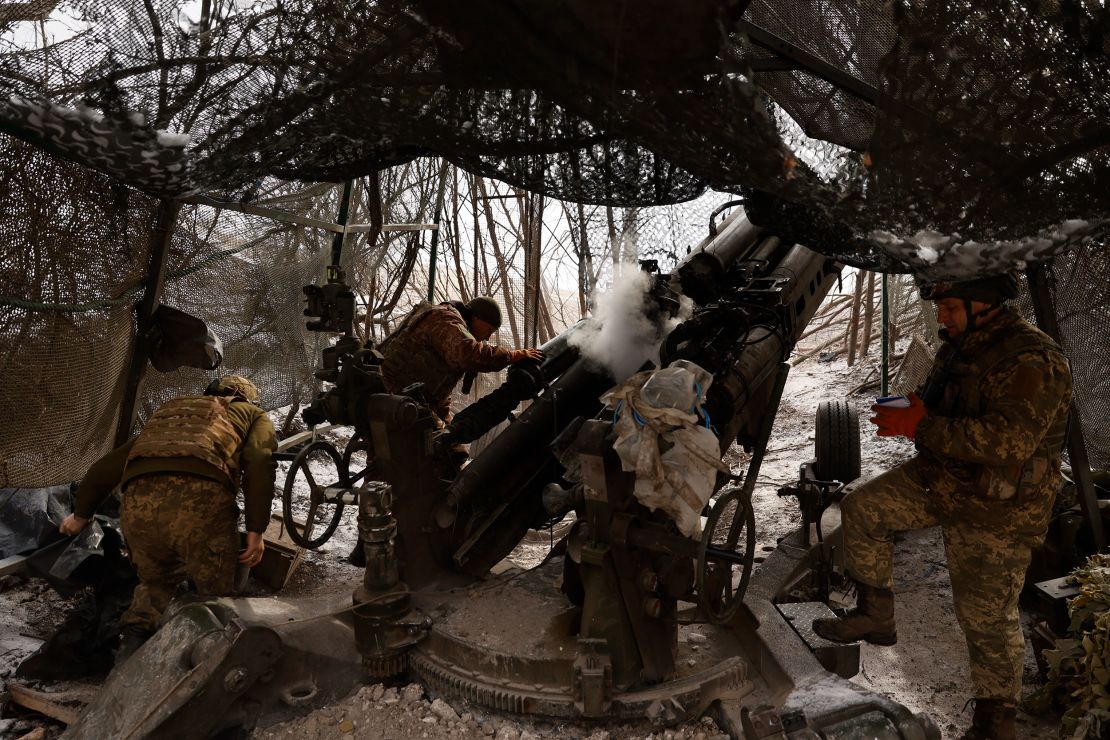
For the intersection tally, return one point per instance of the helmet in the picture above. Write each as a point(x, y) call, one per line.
point(991, 290)
point(234, 385)
point(485, 308)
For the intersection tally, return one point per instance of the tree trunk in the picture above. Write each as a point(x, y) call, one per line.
point(456, 235)
point(853, 329)
point(614, 243)
point(868, 313)
point(502, 268)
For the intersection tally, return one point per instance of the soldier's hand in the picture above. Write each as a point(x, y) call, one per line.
point(899, 422)
point(519, 355)
point(252, 556)
point(73, 524)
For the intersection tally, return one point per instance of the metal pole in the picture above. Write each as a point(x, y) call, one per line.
point(1045, 312)
point(337, 240)
point(435, 232)
point(886, 337)
point(160, 239)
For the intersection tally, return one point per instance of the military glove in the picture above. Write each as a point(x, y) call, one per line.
point(894, 422)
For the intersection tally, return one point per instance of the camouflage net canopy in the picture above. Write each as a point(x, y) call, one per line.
point(883, 134)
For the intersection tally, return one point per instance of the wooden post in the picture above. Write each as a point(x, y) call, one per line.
point(435, 234)
point(853, 328)
point(1045, 312)
point(868, 313)
point(160, 239)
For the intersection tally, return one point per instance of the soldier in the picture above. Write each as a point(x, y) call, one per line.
point(437, 345)
point(989, 428)
point(179, 515)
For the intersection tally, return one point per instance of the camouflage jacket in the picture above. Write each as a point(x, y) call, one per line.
point(433, 346)
point(991, 445)
point(257, 441)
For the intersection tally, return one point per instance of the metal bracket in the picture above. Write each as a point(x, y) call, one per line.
point(762, 722)
point(593, 678)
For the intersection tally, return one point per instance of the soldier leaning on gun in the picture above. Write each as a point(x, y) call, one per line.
point(989, 432)
point(179, 515)
point(437, 344)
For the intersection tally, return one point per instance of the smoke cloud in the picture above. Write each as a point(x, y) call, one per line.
point(622, 335)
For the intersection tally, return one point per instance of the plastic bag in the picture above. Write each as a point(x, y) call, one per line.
point(679, 481)
point(680, 385)
point(85, 544)
point(29, 517)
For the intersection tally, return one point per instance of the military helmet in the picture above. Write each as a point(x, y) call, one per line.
point(991, 290)
point(485, 308)
point(234, 385)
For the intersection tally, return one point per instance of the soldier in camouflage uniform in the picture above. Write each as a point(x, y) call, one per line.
point(179, 479)
point(437, 345)
point(989, 432)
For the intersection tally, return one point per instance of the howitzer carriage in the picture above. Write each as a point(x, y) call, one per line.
point(614, 639)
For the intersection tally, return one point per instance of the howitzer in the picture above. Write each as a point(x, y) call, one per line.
point(616, 639)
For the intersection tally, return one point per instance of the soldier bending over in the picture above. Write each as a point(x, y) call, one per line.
point(179, 479)
point(437, 345)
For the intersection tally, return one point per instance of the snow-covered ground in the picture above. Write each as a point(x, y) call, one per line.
point(927, 670)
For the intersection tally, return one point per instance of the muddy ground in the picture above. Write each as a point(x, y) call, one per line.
point(927, 670)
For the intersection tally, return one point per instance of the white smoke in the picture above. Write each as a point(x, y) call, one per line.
point(621, 336)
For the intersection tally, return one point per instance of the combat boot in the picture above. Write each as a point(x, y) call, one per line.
point(994, 719)
point(872, 619)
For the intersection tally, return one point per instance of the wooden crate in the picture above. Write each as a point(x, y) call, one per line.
point(281, 557)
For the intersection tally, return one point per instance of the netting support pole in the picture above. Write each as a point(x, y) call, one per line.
point(886, 336)
point(435, 232)
point(337, 240)
point(1045, 312)
point(160, 239)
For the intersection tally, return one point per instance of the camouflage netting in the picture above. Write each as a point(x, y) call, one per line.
point(911, 161)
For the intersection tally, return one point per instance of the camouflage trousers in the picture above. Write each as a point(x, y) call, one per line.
point(987, 570)
point(178, 526)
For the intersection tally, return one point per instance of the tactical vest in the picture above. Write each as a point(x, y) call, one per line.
point(409, 360)
point(192, 426)
point(962, 399)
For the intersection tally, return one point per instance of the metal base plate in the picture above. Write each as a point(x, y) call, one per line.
point(839, 658)
point(510, 644)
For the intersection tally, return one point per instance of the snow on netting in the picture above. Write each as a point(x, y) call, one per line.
point(911, 162)
point(920, 166)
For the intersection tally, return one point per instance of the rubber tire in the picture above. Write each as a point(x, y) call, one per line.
point(836, 444)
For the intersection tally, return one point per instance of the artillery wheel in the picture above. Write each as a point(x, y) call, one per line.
point(356, 461)
point(836, 442)
point(325, 454)
point(721, 582)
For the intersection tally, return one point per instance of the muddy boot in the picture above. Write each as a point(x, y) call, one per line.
point(872, 619)
point(994, 719)
point(131, 639)
point(357, 557)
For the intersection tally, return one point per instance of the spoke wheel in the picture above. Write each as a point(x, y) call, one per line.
point(314, 468)
point(356, 461)
point(725, 556)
